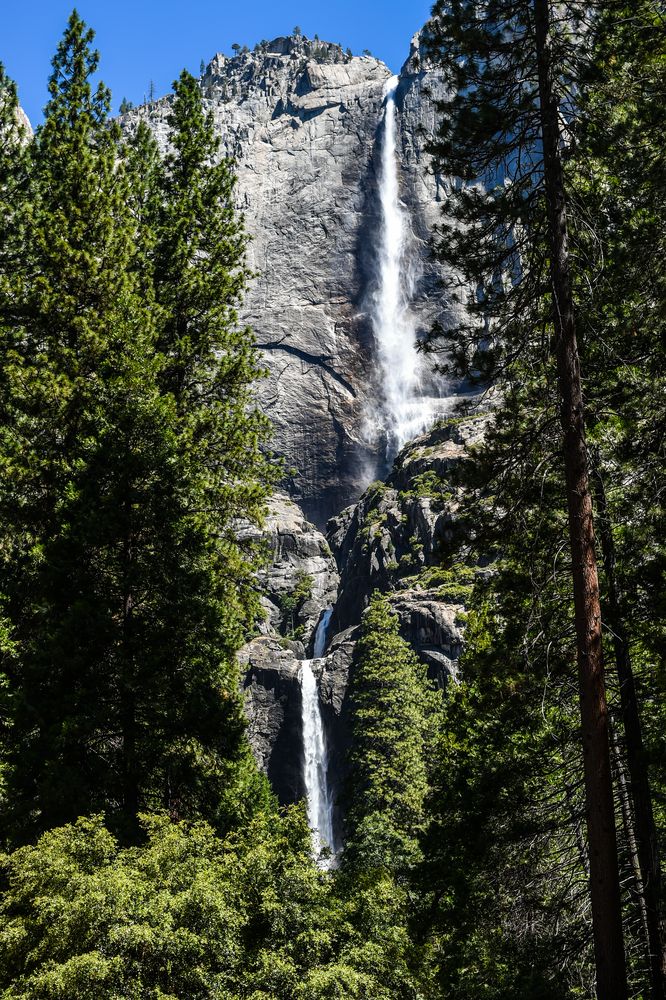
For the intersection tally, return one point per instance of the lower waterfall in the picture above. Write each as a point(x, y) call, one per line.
point(315, 752)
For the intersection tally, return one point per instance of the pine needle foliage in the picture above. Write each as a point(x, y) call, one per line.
point(132, 453)
point(393, 708)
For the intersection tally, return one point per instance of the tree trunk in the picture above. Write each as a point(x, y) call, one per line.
point(604, 875)
point(624, 796)
point(646, 833)
point(129, 776)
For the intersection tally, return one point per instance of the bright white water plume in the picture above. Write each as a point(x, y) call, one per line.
point(405, 412)
point(319, 800)
point(315, 763)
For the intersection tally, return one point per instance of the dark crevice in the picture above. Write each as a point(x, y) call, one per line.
point(321, 360)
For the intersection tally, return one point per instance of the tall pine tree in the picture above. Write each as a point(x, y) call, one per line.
point(127, 591)
point(393, 712)
point(513, 69)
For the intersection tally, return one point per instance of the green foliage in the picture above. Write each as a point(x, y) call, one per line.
point(291, 605)
point(427, 484)
point(187, 916)
point(130, 450)
point(392, 712)
point(453, 583)
point(506, 855)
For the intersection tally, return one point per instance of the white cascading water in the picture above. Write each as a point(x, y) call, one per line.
point(405, 412)
point(321, 634)
point(315, 763)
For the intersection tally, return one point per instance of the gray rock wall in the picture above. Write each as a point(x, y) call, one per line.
point(302, 120)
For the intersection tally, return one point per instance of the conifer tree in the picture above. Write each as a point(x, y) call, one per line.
point(393, 708)
point(210, 359)
point(127, 592)
point(82, 327)
point(618, 178)
point(511, 67)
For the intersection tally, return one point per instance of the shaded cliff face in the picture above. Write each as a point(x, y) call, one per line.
point(303, 122)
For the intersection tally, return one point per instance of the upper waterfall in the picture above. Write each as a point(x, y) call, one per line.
point(404, 412)
point(304, 123)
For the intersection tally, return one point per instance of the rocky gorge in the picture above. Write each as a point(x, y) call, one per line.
point(391, 540)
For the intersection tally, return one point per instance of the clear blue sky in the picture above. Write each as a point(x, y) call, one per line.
point(148, 40)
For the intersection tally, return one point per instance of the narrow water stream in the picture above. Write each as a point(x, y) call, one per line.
point(315, 752)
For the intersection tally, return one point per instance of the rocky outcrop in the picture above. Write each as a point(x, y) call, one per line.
point(433, 627)
point(391, 541)
point(397, 529)
point(302, 120)
point(273, 705)
point(297, 556)
point(298, 581)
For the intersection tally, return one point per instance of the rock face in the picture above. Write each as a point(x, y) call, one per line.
point(299, 582)
point(273, 704)
point(297, 556)
point(398, 527)
point(392, 539)
point(389, 541)
point(303, 121)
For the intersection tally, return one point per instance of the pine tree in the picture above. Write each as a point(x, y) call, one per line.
point(514, 64)
point(393, 708)
point(209, 365)
point(127, 591)
point(14, 218)
point(85, 335)
point(211, 361)
point(618, 178)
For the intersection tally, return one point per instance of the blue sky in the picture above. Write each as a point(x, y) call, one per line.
point(149, 40)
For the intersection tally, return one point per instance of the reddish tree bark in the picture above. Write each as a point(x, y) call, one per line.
point(604, 875)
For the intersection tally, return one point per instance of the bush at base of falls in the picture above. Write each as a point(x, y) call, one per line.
point(190, 916)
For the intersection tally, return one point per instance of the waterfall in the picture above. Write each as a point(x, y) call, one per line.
point(319, 647)
point(404, 412)
point(319, 799)
point(315, 751)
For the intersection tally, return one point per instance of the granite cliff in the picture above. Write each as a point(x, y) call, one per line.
point(302, 119)
point(308, 127)
point(391, 540)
